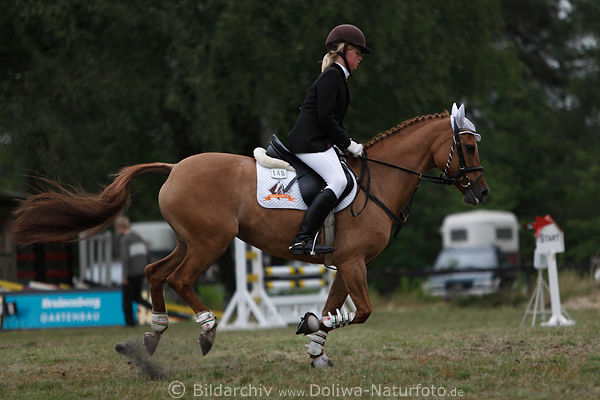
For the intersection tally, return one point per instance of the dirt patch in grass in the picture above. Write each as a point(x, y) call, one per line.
point(589, 301)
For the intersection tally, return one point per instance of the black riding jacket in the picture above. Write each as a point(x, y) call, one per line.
point(319, 124)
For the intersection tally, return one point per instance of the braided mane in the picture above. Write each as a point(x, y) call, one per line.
point(403, 125)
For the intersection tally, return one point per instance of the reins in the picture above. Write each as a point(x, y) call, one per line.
point(443, 180)
point(400, 220)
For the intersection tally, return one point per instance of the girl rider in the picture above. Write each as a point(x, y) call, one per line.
point(319, 127)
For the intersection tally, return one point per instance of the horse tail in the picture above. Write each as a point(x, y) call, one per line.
point(60, 215)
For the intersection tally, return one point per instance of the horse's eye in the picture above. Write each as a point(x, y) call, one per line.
point(470, 148)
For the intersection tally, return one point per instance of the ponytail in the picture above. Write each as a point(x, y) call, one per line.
point(330, 56)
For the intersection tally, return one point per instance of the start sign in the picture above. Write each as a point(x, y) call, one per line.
point(549, 240)
point(549, 237)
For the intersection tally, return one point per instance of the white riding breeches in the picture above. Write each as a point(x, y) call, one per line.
point(328, 166)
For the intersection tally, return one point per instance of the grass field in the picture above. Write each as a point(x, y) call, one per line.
point(423, 350)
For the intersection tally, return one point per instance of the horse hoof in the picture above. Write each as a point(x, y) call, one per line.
point(207, 339)
point(321, 362)
point(151, 341)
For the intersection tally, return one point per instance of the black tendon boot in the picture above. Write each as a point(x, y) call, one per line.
point(304, 242)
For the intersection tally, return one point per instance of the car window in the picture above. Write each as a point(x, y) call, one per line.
point(466, 259)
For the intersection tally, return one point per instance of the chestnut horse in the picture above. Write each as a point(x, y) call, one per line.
point(209, 199)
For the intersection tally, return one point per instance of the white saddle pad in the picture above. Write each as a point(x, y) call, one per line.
point(273, 190)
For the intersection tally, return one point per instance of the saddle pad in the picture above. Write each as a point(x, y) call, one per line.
point(273, 190)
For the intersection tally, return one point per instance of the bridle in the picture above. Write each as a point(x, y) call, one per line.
point(460, 178)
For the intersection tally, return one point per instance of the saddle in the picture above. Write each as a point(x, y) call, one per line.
point(309, 181)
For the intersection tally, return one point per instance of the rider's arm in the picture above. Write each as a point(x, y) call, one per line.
point(327, 90)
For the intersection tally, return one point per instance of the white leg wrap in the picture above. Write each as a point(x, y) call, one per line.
point(338, 320)
point(317, 341)
point(160, 322)
point(206, 319)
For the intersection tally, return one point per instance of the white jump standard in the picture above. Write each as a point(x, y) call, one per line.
point(273, 309)
point(244, 303)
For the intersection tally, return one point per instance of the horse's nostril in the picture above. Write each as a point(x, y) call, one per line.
point(485, 193)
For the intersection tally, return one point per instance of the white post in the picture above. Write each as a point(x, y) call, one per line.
point(557, 317)
point(83, 256)
point(549, 242)
point(107, 239)
point(93, 259)
point(241, 271)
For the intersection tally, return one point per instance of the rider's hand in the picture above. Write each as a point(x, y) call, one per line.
point(356, 149)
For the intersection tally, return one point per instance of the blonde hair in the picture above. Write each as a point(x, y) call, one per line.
point(331, 55)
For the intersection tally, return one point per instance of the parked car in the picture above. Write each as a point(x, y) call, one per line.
point(468, 271)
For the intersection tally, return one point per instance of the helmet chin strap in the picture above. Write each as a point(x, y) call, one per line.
point(343, 55)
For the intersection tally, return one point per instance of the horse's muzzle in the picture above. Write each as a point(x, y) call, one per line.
point(475, 195)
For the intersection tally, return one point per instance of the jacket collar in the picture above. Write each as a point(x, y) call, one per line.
point(343, 69)
point(340, 70)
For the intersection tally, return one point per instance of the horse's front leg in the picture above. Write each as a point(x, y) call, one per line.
point(350, 279)
point(310, 325)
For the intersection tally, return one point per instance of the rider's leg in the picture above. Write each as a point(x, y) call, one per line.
point(304, 242)
point(328, 166)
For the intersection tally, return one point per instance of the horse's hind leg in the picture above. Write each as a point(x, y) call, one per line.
point(197, 261)
point(156, 274)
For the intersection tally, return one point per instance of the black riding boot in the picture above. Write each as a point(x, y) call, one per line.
point(313, 220)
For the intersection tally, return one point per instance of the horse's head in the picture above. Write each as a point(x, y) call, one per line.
point(461, 165)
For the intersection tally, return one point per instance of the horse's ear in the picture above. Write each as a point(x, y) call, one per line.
point(461, 114)
point(454, 109)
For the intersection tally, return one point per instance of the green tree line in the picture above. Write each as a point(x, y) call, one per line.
point(87, 87)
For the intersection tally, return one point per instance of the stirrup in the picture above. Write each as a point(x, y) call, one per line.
point(310, 246)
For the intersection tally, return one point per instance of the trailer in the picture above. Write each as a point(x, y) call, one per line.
point(482, 229)
point(478, 249)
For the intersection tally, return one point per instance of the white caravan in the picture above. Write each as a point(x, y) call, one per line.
point(477, 246)
point(483, 229)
